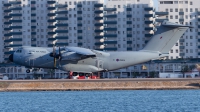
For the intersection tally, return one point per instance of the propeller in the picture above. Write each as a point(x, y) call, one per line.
point(56, 56)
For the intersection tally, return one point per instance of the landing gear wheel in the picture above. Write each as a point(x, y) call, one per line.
point(28, 71)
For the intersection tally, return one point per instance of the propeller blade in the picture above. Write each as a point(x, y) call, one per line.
point(59, 56)
point(54, 56)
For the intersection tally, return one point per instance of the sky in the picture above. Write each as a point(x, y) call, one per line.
point(155, 4)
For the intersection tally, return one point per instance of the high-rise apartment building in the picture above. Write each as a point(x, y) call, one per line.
point(112, 25)
point(183, 12)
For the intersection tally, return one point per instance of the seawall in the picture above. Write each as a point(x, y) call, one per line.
point(66, 85)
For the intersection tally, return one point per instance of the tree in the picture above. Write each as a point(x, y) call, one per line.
point(184, 69)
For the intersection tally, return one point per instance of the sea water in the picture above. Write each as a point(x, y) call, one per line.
point(101, 101)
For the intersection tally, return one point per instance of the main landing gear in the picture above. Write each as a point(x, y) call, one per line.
point(33, 70)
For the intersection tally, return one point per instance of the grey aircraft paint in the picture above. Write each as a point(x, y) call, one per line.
point(87, 61)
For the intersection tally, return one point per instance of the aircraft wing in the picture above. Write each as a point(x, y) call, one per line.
point(81, 51)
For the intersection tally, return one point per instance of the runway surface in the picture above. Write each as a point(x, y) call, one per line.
point(104, 80)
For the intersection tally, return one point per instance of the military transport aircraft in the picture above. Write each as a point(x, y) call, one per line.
point(82, 60)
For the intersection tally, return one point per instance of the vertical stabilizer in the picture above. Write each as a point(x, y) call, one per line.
point(165, 37)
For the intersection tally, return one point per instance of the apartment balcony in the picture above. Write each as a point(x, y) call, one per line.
point(51, 20)
point(129, 42)
point(181, 47)
point(80, 43)
point(33, 45)
point(181, 19)
point(33, 33)
point(182, 54)
point(79, 5)
point(51, 39)
point(51, 2)
point(33, 14)
point(61, 37)
point(181, 13)
point(149, 28)
point(79, 12)
point(7, 17)
point(33, 39)
point(62, 44)
point(7, 5)
point(110, 42)
point(98, 5)
point(15, 14)
point(61, 18)
point(15, 27)
point(13, 45)
point(98, 24)
point(110, 22)
point(98, 43)
point(129, 29)
point(110, 15)
point(15, 8)
point(79, 24)
point(80, 37)
point(33, 21)
point(33, 2)
point(98, 18)
point(33, 26)
point(110, 48)
point(148, 8)
point(129, 35)
point(15, 21)
point(110, 29)
point(79, 31)
point(51, 8)
point(128, 15)
point(110, 35)
point(161, 20)
point(129, 22)
point(98, 30)
point(50, 45)
point(33, 8)
point(98, 11)
point(61, 31)
point(62, 12)
point(98, 37)
point(15, 2)
point(148, 35)
point(148, 15)
point(128, 9)
point(9, 52)
point(51, 26)
point(7, 28)
point(79, 18)
point(7, 10)
point(181, 40)
point(7, 23)
point(161, 13)
point(51, 33)
point(110, 9)
point(129, 49)
point(13, 39)
point(61, 5)
point(51, 14)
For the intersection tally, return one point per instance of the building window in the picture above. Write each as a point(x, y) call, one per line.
point(171, 10)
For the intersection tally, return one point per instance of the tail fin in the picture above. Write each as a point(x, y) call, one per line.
point(165, 37)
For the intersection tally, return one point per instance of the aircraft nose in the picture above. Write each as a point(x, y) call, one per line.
point(11, 57)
